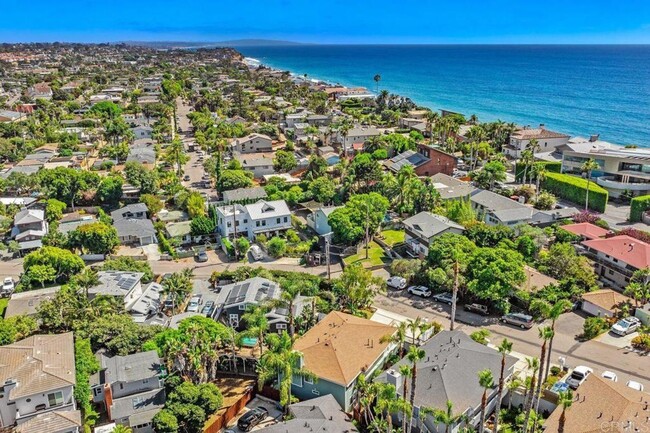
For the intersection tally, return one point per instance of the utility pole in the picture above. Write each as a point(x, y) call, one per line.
point(327, 257)
point(367, 227)
point(234, 222)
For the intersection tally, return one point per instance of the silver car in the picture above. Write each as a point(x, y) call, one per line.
point(395, 282)
point(626, 326)
point(422, 291)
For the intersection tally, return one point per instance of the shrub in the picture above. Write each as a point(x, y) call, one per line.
point(642, 342)
point(230, 248)
point(593, 327)
point(277, 247)
point(633, 233)
point(574, 189)
point(545, 201)
point(480, 336)
point(549, 166)
point(564, 236)
point(638, 206)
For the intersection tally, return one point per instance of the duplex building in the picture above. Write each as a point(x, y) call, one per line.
point(337, 350)
point(617, 258)
point(547, 140)
point(250, 220)
point(37, 376)
point(421, 229)
point(495, 209)
point(130, 389)
point(620, 169)
point(252, 143)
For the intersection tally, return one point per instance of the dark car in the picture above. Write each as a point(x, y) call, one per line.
point(477, 308)
point(517, 319)
point(252, 418)
point(202, 257)
point(207, 308)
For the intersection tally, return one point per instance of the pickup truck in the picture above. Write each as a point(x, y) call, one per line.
point(477, 308)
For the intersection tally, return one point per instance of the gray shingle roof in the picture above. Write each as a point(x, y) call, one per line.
point(131, 368)
point(451, 188)
point(410, 157)
point(253, 290)
point(267, 209)
point(134, 227)
point(242, 194)
point(427, 224)
point(115, 283)
point(140, 408)
point(502, 207)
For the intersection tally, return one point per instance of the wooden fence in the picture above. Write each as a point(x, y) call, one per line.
point(230, 413)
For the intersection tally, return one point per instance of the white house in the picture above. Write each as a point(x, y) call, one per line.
point(547, 140)
point(318, 220)
point(37, 375)
point(142, 131)
point(258, 166)
point(495, 209)
point(252, 143)
point(268, 217)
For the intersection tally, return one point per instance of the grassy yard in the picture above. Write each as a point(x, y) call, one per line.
point(392, 237)
point(376, 256)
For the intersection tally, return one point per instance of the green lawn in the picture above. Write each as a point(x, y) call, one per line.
point(376, 256)
point(392, 237)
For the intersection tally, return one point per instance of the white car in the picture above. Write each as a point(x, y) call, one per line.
point(193, 305)
point(256, 253)
point(8, 286)
point(579, 375)
point(634, 385)
point(626, 326)
point(610, 375)
point(395, 282)
point(422, 291)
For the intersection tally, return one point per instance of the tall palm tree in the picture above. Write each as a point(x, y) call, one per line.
point(545, 333)
point(87, 279)
point(539, 171)
point(554, 313)
point(526, 159)
point(533, 366)
point(398, 338)
point(432, 118)
point(404, 176)
point(513, 384)
point(344, 128)
point(565, 400)
point(417, 327)
point(446, 417)
point(414, 355)
point(405, 371)
point(377, 79)
point(288, 297)
point(486, 380)
point(639, 287)
point(588, 167)
point(257, 325)
point(504, 348)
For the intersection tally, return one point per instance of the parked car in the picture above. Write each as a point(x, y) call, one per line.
point(256, 252)
point(422, 291)
point(444, 297)
point(186, 177)
point(634, 385)
point(8, 286)
point(202, 257)
point(610, 375)
point(579, 375)
point(517, 319)
point(193, 305)
point(477, 308)
point(626, 326)
point(396, 282)
point(208, 308)
point(252, 418)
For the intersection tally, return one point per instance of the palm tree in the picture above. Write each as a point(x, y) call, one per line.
point(504, 348)
point(588, 167)
point(486, 380)
point(554, 313)
point(405, 371)
point(419, 327)
point(288, 298)
point(432, 118)
point(533, 365)
point(446, 417)
point(545, 333)
point(398, 338)
point(344, 128)
point(540, 174)
point(121, 429)
point(513, 384)
point(526, 159)
point(639, 287)
point(87, 279)
point(415, 355)
point(565, 400)
point(404, 176)
point(178, 285)
point(176, 155)
point(377, 79)
point(257, 325)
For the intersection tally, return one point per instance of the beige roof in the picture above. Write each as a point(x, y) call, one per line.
point(606, 298)
point(535, 280)
point(39, 364)
point(27, 303)
point(52, 422)
point(601, 405)
point(342, 346)
point(537, 133)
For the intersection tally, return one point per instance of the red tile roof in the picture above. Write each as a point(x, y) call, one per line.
point(624, 248)
point(586, 230)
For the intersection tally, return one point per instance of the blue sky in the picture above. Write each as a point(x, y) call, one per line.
point(330, 21)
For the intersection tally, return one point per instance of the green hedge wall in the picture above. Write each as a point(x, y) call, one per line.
point(574, 189)
point(639, 205)
point(550, 166)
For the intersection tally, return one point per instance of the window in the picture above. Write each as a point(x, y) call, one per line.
point(245, 221)
point(145, 381)
point(296, 380)
point(234, 320)
point(277, 221)
point(257, 223)
point(264, 223)
point(281, 326)
point(242, 307)
point(121, 385)
point(285, 219)
point(308, 380)
point(55, 398)
point(610, 272)
point(229, 224)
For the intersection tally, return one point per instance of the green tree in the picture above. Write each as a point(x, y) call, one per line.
point(67, 184)
point(54, 210)
point(202, 225)
point(357, 287)
point(414, 355)
point(64, 263)
point(359, 218)
point(277, 247)
point(284, 161)
point(175, 155)
point(109, 189)
point(243, 244)
point(494, 274)
point(486, 381)
point(16, 328)
point(128, 264)
point(565, 400)
point(588, 167)
point(178, 285)
point(504, 349)
point(447, 417)
point(153, 203)
point(233, 179)
point(545, 333)
point(165, 422)
point(195, 205)
point(85, 365)
point(323, 189)
point(257, 325)
point(493, 171)
point(95, 238)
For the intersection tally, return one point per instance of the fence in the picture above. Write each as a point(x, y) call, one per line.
point(230, 413)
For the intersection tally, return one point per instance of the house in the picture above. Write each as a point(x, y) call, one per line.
point(547, 140)
point(318, 220)
point(337, 350)
point(495, 209)
point(244, 195)
point(172, 216)
point(73, 221)
point(586, 231)
point(319, 119)
point(140, 301)
point(604, 302)
point(40, 91)
point(449, 372)
point(421, 229)
point(250, 220)
point(358, 134)
point(322, 414)
point(142, 131)
point(426, 161)
point(37, 376)
point(620, 168)
point(133, 226)
point(130, 388)
point(29, 229)
point(602, 405)
point(258, 166)
point(180, 231)
point(234, 299)
point(68, 421)
point(8, 116)
point(143, 155)
point(27, 303)
point(252, 143)
point(535, 280)
point(545, 218)
point(451, 188)
point(617, 258)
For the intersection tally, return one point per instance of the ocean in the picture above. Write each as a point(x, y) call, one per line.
point(577, 89)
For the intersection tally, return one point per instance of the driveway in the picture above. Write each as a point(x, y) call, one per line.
point(617, 341)
point(273, 418)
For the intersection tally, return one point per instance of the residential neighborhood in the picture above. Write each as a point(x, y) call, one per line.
point(195, 242)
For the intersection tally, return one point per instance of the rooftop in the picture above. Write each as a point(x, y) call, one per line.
point(27, 303)
point(52, 422)
point(130, 368)
point(586, 230)
point(624, 248)
point(428, 225)
point(606, 298)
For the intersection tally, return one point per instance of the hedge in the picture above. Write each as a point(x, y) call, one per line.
point(574, 189)
point(550, 166)
point(638, 206)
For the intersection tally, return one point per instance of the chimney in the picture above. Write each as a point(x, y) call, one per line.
point(594, 137)
point(395, 378)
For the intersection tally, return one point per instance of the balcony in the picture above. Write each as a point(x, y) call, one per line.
point(610, 182)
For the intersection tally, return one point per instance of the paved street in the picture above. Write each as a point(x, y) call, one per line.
point(596, 354)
